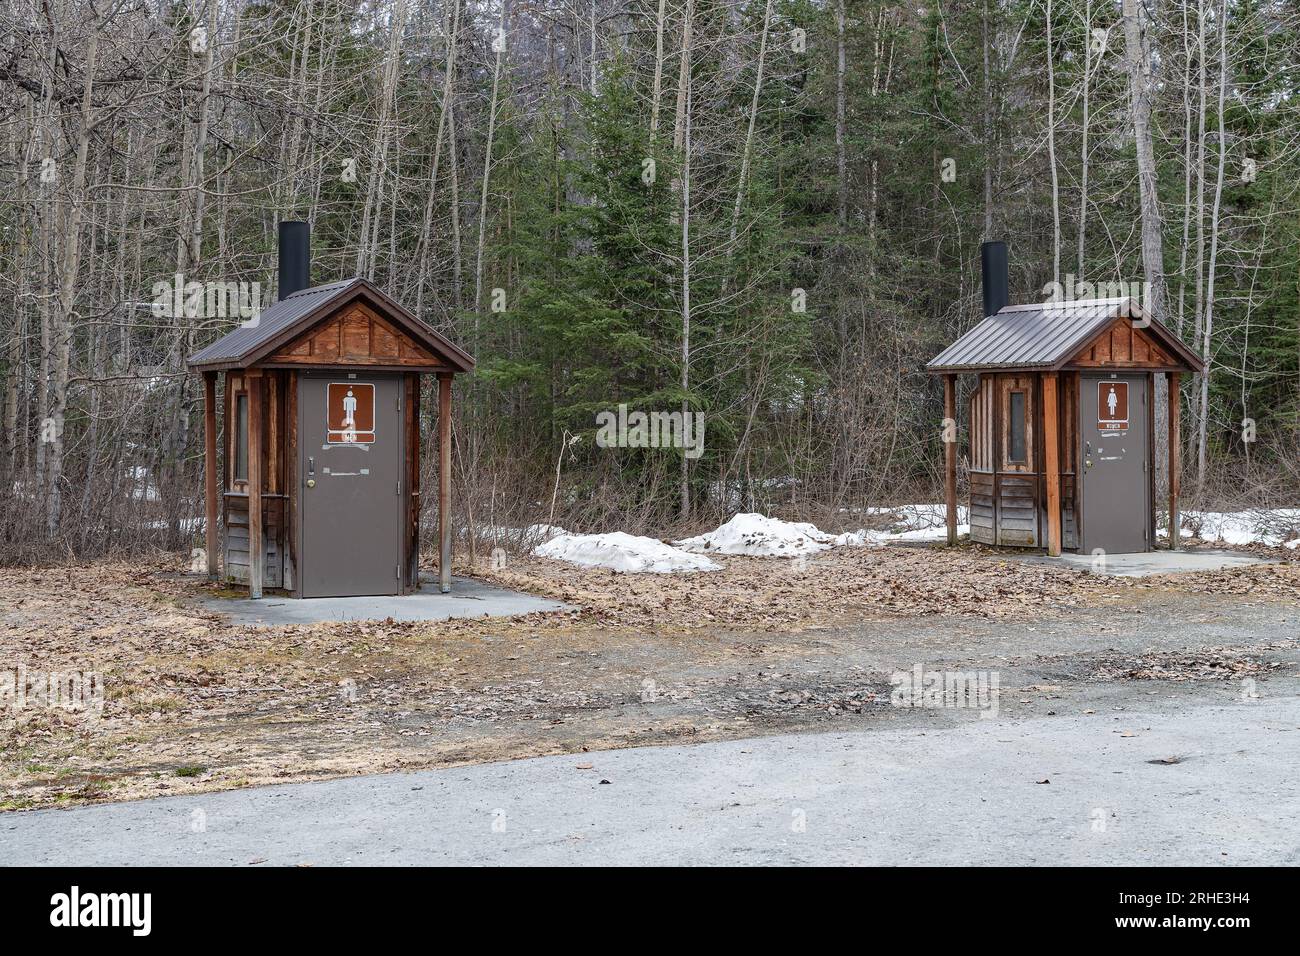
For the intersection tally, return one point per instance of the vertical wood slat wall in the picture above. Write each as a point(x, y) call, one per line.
point(982, 509)
point(271, 457)
point(1008, 502)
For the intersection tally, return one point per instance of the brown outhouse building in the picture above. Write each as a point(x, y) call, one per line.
point(1061, 422)
point(319, 490)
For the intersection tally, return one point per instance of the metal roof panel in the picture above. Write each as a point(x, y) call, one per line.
point(1031, 336)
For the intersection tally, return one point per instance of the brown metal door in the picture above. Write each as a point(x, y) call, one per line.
point(350, 436)
point(1115, 487)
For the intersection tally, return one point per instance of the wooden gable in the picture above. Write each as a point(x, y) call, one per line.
point(356, 335)
point(1123, 345)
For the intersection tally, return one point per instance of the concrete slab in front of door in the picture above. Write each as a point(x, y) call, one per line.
point(468, 598)
point(1153, 562)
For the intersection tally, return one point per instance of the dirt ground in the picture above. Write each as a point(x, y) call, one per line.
point(764, 646)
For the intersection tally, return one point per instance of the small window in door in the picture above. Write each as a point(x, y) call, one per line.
point(241, 436)
point(1016, 431)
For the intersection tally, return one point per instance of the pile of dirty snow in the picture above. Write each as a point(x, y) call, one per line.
point(917, 523)
point(760, 536)
point(1271, 527)
point(625, 553)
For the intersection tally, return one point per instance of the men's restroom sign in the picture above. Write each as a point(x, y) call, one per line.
point(350, 413)
point(1112, 406)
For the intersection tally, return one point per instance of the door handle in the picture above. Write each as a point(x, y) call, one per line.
point(1087, 462)
point(311, 482)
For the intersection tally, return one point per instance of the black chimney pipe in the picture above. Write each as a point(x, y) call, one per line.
point(295, 257)
point(993, 273)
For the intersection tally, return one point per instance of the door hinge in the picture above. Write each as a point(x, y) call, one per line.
point(399, 572)
point(399, 487)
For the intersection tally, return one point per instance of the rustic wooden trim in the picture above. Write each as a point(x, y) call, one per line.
point(256, 545)
point(1172, 352)
point(210, 470)
point(344, 366)
point(356, 336)
point(292, 484)
point(413, 453)
point(444, 482)
point(1052, 462)
point(1175, 461)
point(950, 456)
point(996, 462)
point(1151, 461)
point(1039, 463)
point(456, 358)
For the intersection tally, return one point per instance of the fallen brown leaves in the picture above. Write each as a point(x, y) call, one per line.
point(766, 593)
point(1209, 663)
point(194, 703)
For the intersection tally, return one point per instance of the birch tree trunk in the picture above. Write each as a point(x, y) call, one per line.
point(841, 162)
point(753, 118)
point(69, 267)
point(1137, 59)
point(683, 75)
point(656, 88)
point(452, 20)
point(1207, 333)
point(1051, 150)
point(487, 170)
point(686, 285)
point(1083, 147)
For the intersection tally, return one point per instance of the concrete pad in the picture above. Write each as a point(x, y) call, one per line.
point(1146, 563)
point(468, 598)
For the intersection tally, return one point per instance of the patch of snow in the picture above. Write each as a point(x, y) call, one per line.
point(1263, 526)
point(186, 525)
point(855, 539)
point(625, 553)
point(917, 523)
point(938, 533)
point(760, 536)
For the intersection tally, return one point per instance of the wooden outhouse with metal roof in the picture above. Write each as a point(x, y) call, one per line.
point(319, 494)
point(1061, 421)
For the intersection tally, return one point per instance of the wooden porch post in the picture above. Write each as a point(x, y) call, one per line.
point(950, 455)
point(256, 547)
point(1175, 460)
point(444, 480)
point(210, 469)
point(1052, 462)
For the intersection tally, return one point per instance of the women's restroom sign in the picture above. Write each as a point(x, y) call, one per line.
point(350, 414)
point(1112, 406)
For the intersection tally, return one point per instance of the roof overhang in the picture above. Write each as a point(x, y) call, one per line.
point(1101, 315)
point(453, 356)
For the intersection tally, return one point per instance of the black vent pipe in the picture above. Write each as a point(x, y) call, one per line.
point(994, 278)
point(295, 257)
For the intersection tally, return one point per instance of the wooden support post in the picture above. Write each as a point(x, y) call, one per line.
point(444, 481)
point(1052, 461)
point(950, 454)
point(210, 469)
point(414, 510)
point(256, 545)
point(1175, 461)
